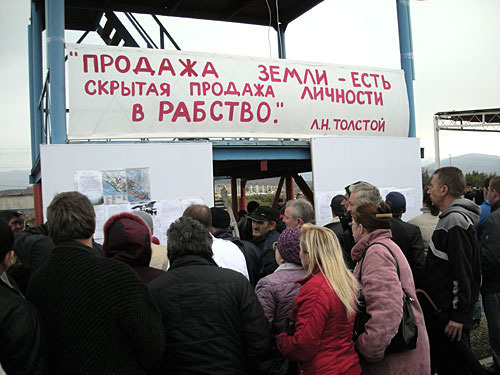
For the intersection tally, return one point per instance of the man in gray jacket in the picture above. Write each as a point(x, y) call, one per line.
point(453, 269)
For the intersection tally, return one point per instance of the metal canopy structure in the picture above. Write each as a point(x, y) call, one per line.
point(85, 15)
point(477, 120)
point(243, 159)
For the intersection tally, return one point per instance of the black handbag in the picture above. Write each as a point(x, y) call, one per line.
point(407, 335)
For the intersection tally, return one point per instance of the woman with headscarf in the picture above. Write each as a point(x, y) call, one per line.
point(324, 310)
point(127, 238)
point(383, 291)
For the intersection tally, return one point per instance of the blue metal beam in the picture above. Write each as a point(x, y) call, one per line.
point(34, 144)
point(36, 84)
point(54, 20)
point(261, 150)
point(406, 50)
point(37, 69)
point(244, 149)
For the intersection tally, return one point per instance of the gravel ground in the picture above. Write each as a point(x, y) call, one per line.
point(479, 340)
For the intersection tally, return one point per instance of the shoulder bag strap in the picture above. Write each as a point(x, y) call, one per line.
point(363, 258)
point(397, 264)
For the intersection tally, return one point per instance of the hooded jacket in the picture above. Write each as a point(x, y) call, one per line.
point(453, 267)
point(127, 238)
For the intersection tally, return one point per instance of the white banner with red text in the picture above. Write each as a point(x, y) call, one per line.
point(133, 93)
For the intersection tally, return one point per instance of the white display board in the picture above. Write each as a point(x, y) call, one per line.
point(177, 175)
point(132, 93)
point(390, 163)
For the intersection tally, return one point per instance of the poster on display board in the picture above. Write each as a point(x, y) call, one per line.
point(133, 93)
point(162, 179)
point(391, 164)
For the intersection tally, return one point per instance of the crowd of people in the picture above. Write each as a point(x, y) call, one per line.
point(281, 297)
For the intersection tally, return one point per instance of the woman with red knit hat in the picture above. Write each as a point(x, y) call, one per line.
point(127, 238)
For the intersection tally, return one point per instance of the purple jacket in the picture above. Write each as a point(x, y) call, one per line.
point(276, 293)
point(384, 302)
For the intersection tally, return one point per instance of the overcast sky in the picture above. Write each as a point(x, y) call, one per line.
point(456, 50)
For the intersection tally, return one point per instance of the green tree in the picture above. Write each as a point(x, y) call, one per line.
point(261, 199)
point(476, 179)
point(426, 177)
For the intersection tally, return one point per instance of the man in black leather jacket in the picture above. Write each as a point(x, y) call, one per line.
point(407, 236)
point(213, 320)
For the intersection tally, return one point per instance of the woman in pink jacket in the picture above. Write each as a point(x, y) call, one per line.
point(383, 293)
point(324, 309)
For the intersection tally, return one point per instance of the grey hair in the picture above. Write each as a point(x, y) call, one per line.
point(301, 208)
point(187, 236)
point(365, 193)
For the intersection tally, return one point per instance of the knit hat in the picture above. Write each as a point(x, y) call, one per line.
point(146, 217)
point(397, 201)
point(127, 238)
point(289, 245)
point(220, 218)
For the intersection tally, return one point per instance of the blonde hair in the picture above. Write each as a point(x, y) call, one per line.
point(325, 253)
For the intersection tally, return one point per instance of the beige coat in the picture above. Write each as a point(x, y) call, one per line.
point(427, 223)
point(159, 258)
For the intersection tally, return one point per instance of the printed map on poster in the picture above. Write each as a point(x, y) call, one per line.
point(138, 188)
point(114, 185)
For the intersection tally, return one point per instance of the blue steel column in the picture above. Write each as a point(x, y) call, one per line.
point(54, 19)
point(281, 43)
point(34, 145)
point(406, 50)
point(36, 80)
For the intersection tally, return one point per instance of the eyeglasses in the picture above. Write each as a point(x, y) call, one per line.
point(275, 246)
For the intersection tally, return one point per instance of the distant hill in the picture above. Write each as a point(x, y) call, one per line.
point(16, 179)
point(469, 162)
